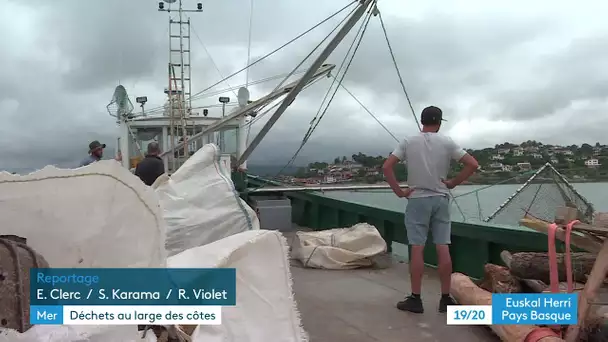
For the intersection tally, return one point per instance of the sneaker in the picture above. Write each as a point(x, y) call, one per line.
point(444, 302)
point(411, 304)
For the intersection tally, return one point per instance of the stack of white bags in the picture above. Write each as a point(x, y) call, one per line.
point(103, 216)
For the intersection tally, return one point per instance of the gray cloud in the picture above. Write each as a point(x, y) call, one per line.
point(488, 69)
point(558, 81)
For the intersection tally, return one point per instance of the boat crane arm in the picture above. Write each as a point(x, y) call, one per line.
point(331, 46)
point(322, 71)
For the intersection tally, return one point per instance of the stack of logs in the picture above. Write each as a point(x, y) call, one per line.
point(528, 272)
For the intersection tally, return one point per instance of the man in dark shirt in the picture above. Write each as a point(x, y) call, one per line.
point(152, 166)
point(95, 153)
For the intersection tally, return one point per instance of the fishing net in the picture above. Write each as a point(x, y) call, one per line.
point(540, 197)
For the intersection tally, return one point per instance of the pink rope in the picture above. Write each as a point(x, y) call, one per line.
point(569, 257)
point(539, 333)
point(553, 269)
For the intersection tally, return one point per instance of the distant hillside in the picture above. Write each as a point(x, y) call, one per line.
point(271, 170)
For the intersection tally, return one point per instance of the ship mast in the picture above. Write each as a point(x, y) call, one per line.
point(179, 73)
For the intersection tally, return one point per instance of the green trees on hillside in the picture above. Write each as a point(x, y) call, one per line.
point(368, 161)
point(570, 165)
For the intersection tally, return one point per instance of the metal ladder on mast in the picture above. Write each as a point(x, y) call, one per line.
point(180, 75)
point(179, 56)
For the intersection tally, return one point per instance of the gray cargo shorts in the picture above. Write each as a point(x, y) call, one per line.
point(428, 213)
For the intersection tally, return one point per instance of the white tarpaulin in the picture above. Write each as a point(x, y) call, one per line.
point(200, 203)
point(103, 216)
point(266, 309)
point(341, 248)
point(95, 216)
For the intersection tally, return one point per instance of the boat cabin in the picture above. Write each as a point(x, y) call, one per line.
point(140, 131)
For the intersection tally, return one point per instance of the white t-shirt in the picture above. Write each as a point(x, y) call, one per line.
point(427, 157)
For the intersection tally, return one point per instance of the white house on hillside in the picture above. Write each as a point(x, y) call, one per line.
point(597, 151)
point(592, 162)
point(524, 166)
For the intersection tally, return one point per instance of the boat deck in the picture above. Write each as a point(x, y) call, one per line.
point(359, 306)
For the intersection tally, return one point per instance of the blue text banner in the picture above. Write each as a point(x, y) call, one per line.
point(535, 308)
point(133, 286)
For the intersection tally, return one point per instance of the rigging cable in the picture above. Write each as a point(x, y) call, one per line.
point(390, 48)
point(307, 136)
point(307, 57)
point(212, 61)
point(197, 95)
point(271, 78)
point(249, 42)
point(316, 48)
point(356, 99)
point(259, 116)
point(368, 112)
point(268, 110)
point(317, 119)
point(526, 173)
point(277, 49)
point(361, 31)
point(315, 122)
point(224, 90)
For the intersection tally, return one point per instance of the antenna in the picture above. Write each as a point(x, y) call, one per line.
point(243, 96)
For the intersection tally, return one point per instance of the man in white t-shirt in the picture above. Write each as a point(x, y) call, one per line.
point(428, 156)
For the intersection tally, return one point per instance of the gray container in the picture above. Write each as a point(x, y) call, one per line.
point(273, 211)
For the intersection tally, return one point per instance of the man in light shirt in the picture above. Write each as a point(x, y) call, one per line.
point(428, 156)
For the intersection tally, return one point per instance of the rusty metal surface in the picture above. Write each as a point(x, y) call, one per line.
point(16, 259)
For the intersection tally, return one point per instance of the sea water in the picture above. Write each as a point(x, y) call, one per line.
point(490, 198)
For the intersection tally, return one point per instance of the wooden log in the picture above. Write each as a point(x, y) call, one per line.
point(532, 265)
point(498, 279)
point(581, 241)
point(563, 287)
point(600, 220)
point(564, 215)
point(467, 293)
point(605, 280)
point(533, 284)
point(596, 329)
point(589, 294)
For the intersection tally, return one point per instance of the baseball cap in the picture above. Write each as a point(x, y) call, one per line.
point(431, 116)
point(95, 145)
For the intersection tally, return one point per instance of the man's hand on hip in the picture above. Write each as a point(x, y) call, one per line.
point(405, 193)
point(450, 184)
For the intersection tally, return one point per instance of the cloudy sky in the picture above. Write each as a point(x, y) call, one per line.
point(502, 71)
